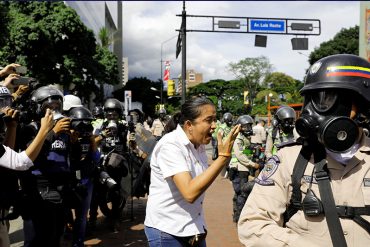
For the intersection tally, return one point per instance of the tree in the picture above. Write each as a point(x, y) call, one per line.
point(252, 73)
point(140, 89)
point(51, 40)
point(345, 41)
point(285, 86)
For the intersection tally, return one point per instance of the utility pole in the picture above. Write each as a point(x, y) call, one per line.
point(183, 50)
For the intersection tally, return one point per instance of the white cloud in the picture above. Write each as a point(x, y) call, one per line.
point(147, 25)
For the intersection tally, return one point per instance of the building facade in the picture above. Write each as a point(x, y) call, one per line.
point(104, 14)
point(193, 78)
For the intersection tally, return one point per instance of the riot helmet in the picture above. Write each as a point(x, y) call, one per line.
point(162, 113)
point(6, 98)
point(70, 101)
point(113, 109)
point(246, 123)
point(227, 118)
point(81, 119)
point(333, 85)
point(47, 97)
point(284, 119)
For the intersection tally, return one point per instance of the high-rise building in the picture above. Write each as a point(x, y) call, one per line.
point(104, 14)
point(124, 70)
point(193, 78)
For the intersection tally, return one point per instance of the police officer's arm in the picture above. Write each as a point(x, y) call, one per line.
point(243, 159)
point(269, 145)
point(261, 220)
point(191, 188)
point(22, 161)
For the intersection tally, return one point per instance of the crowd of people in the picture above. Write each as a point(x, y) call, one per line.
point(70, 159)
point(303, 180)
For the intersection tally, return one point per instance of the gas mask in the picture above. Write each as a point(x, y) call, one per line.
point(326, 117)
point(246, 130)
point(287, 125)
point(113, 128)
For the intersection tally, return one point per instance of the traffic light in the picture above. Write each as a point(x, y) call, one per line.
point(170, 88)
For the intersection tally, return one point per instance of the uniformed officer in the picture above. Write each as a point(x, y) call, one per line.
point(241, 163)
point(159, 124)
point(318, 193)
point(282, 130)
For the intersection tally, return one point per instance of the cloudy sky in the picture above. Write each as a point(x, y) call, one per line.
point(149, 25)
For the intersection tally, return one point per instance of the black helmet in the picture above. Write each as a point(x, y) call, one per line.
point(46, 96)
point(341, 71)
point(284, 118)
point(162, 111)
point(113, 104)
point(81, 119)
point(227, 118)
point(97, 111)
point(80, 113)
point(284, 112)
point(42, 93)
point(246, 122)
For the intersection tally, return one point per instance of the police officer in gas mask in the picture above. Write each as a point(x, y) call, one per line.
point(317, 193)
point(282, 132)
point(241, 164)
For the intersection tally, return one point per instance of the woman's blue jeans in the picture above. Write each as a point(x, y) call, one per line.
point(157, 238)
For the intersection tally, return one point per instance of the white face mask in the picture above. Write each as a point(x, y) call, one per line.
point(343, 158)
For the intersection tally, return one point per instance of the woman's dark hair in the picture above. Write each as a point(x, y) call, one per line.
point(190, 110)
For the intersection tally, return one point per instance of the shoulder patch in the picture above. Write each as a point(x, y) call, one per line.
point(270, 168)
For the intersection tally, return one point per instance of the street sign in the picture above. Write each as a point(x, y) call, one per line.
point(127, 101)
point(266, 25)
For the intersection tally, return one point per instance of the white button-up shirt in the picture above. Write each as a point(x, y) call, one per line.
point(15, 161)
point(166, 209)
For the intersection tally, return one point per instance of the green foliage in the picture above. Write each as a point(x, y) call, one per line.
point(51, 40)
point(252, 73)
point(345, 41)
point(140, 90)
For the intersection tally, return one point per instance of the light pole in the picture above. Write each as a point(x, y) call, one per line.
point(162, 65)
point(268, 108)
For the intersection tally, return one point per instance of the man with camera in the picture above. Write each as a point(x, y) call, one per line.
point(9, 159)
point(44, 184)
point(112, 135)
point(318, 193)
point(84, 157)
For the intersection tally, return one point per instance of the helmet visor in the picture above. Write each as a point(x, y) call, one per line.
point(53, 103)
point(324, 100)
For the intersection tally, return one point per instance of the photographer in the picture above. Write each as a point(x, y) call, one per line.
point(43, 184)
point(84, 158)
point(112, 135)
point(10, 159)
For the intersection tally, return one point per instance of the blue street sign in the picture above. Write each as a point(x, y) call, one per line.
point(264, 25)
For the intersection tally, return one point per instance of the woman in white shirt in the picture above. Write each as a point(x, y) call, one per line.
point(180, 175)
